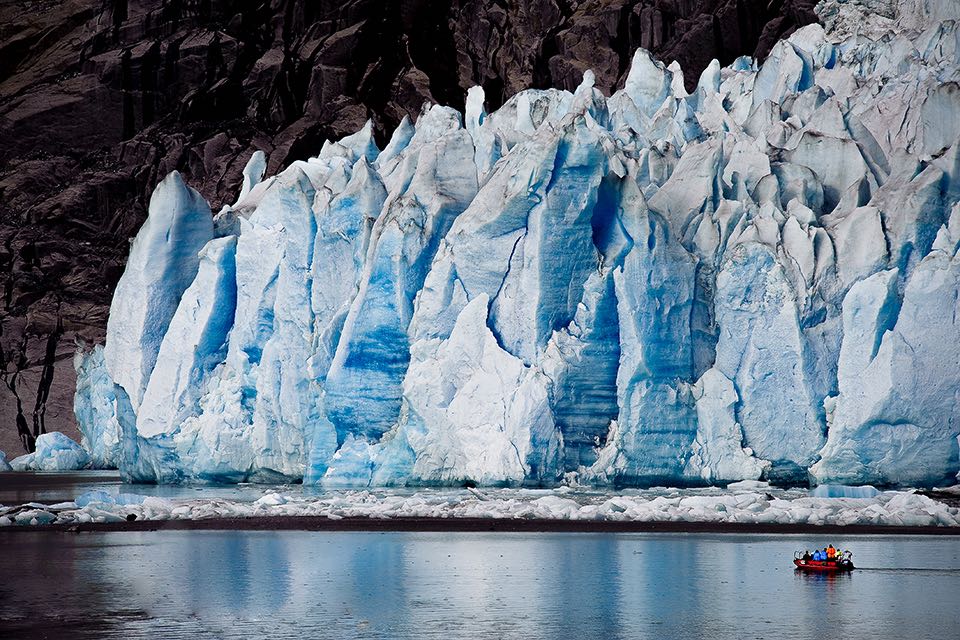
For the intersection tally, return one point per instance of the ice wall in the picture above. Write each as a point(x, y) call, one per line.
point(755, 280)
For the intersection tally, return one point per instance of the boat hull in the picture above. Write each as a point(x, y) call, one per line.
point(820, 565)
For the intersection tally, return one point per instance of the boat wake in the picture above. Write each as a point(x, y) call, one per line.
point(932, 570)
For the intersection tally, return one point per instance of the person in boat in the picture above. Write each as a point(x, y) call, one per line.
point(832, 553)
point(806, 556)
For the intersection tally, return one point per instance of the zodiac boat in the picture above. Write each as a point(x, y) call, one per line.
point(842, 563)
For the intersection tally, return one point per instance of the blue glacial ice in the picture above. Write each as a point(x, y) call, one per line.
point(754, 281)
point(431, 182)
point(163, 262)
point(94, 407)
point(844, 491)
point(54, 452)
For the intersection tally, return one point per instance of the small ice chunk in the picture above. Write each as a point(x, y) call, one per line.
point(842, 491)
point(748, 485)
point(96, 496)
point(54, 452)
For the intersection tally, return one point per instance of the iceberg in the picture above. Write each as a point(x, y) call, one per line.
point(101, 497)
point(54, 452)
point(842, 491)
point(753, 282)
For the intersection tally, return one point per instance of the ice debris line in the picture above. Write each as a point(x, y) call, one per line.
point(760, 279)
point(749, 504)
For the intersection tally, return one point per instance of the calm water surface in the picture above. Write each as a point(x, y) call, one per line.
point(227, 584)
point(50, 487)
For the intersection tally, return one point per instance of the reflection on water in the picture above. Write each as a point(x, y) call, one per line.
point(51, 487)
point(469, 585)
point(824, 577)
point(16, 488)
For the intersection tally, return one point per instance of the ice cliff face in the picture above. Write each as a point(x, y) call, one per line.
point(760, 278)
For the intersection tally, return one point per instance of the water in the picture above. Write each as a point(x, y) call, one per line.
point(51, 487)
point(226, 584)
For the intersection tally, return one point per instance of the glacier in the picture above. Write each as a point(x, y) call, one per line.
point(758, 280)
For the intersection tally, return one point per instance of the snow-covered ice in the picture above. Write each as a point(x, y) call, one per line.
point(759, 280)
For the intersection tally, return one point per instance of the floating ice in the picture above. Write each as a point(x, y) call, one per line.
point(749, 503)
point(54, 452)
point(99, 496)
point(755, 281)
point(22, 463)
point(842, 491)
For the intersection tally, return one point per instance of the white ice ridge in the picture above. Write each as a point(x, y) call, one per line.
point(751, 504)
point(759, 279)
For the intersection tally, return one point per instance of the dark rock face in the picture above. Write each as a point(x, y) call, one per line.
point(100, 99)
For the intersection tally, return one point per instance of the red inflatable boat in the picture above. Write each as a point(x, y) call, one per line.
point(842, 563)
point(818, 565)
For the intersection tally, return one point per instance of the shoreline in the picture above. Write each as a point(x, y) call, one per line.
point(471, 525)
